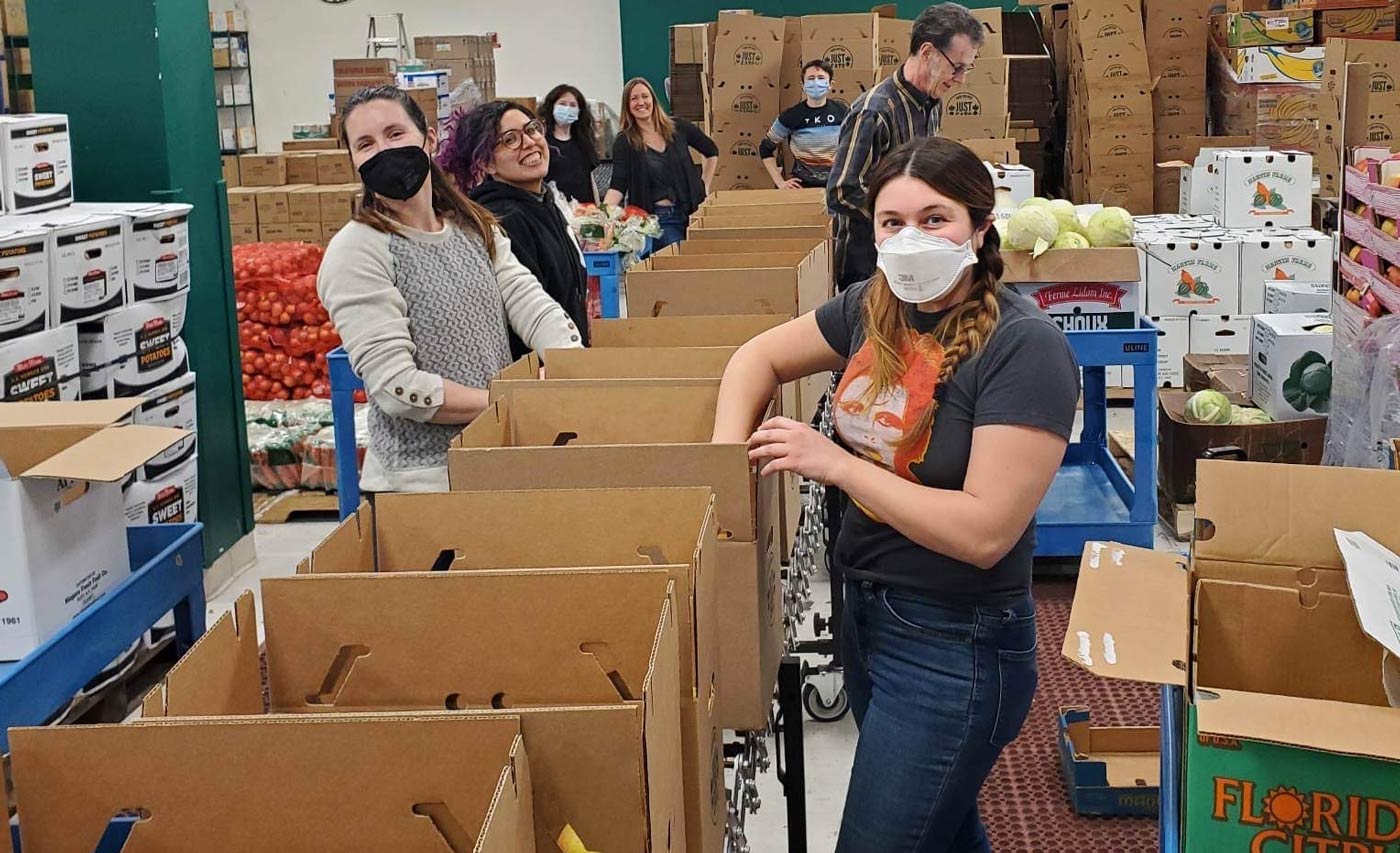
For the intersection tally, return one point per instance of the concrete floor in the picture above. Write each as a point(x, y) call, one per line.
point(829, 747)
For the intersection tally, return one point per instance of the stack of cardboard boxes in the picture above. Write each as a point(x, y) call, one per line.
point(746, 96)
point(429, 89)
point(304, 196)
point(96, 304)
point(1110, 145)
point(463, 57)
point(979, 108)
point(1031, 94)
point(1358, 105)
point(1176, 33)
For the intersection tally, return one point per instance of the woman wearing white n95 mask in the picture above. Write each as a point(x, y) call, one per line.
point(957, 400)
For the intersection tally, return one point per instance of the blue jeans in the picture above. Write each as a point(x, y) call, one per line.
point(673, 227)
point(937, 692)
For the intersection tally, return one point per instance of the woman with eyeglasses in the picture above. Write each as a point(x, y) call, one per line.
point(652, 168)
point(568, 125)
point(498, 154)
point(425, 291)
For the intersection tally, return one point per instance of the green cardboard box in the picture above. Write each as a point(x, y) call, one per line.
point(1292, 745)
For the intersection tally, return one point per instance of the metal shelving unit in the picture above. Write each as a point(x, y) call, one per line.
point(236, 115)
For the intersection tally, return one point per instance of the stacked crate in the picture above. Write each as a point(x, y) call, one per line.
point(1176, 33)
point(1265, 73)
point(690, 72)
point(303, 196)
point(746, 96)
point(978, 108)
point(464, 57)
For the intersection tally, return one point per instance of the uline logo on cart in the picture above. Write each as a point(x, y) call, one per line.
point(34, 380)
point(748, 55)
point(746, 103)
point(167, 507)
point(964, 104)
point(1286, 819)
point(743, 148)
point(1108, 295)
point(839, 56)
point(153, 345)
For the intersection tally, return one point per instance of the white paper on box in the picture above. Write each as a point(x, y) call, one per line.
point(1273, 257)
point(1297, 297)
point(131, 351)
point(1173, 343)
point(24, 283)
point(40, 367)
point(1186, 274)
point(156, 245)
point(1213, 334)
point(1290, 365)
point(1373, 574)
point(1257, 189)
point(169, 498)
point(37, 157)
point(170, 405)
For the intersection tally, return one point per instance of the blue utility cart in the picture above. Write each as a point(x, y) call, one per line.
point(167, 573)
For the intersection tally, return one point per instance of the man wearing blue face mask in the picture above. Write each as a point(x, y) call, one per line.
point(810, 129)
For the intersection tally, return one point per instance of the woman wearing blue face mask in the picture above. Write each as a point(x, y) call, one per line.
point(810, 129)
point(569, 131)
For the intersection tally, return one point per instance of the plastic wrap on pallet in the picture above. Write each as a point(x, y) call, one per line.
point(1365, 416)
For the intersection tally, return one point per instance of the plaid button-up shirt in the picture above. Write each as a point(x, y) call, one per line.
point(884, 118)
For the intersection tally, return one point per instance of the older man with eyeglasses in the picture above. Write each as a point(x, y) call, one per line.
point(905, 105)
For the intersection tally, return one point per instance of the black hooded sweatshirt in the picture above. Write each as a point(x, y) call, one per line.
point(539, 237)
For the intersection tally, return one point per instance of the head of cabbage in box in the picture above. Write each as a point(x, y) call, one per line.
point(947, 375)
point(423, 288)
point(1041, 224)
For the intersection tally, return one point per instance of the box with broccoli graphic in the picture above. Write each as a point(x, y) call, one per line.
point(1290, 364)
point(1187, 274)
point(1256, 189)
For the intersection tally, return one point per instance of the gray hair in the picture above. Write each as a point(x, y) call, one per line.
point(941, 23)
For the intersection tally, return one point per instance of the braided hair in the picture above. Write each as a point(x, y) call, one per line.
point(954, 171)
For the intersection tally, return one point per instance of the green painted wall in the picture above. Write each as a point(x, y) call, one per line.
point(646, 43)
point(137, 83)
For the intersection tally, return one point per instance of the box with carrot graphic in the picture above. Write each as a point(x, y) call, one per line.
point(1187, 274)
point(1302, 256)
point(1258, 189)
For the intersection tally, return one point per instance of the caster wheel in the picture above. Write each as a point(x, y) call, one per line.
point(819, 709)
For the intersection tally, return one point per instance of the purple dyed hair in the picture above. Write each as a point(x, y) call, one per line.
point(472, 136)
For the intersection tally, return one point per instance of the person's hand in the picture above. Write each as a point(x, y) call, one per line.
point(790, 184)
point(783, 444)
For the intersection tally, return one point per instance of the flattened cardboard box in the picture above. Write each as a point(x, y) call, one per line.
point(383, 781)
point(1286, 706)
point(553, 434)
point(583, 657)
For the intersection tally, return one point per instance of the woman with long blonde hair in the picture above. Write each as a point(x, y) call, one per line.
point(652, 168)
point(957, 402)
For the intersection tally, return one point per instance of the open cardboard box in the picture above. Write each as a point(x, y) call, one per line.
point(586, 661)
point(567, 435)
point(1289, 737)
point(689, 248)
point(1110, 770)
point(410, 782)
point(700, 230)
point(673, 529)
point(708, 285)
point(775, 216)
point(1068, 284)
point(61, 512)
point(622, 363)
point(1182, 444)
point(740, 198)
point(709, 331)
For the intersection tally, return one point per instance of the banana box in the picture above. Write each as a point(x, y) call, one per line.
point(1262, 189)
point(1255, 29)
point(1376, 22)
point(1276, 63)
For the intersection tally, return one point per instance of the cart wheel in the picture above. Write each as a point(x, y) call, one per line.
point(819, 709)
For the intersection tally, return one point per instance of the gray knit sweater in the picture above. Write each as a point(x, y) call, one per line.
point(414, 308)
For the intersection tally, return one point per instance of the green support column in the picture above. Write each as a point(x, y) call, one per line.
point(137, 80)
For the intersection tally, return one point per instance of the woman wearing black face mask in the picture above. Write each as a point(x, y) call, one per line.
point(424, 290)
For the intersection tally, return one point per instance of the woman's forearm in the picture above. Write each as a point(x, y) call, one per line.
point(460, 404)
point(707, 172)
point(771, 164)
point(946, 521)
point(748, 385)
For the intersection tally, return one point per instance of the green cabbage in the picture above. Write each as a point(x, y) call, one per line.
point(1070, 240)
point(1035, 201)
point(1249, 415)
point(1066, 216)
point(1112, 226)
point(1029, 224)
point(1208, 407)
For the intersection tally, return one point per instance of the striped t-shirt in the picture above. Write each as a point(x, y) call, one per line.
point(811, 133)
